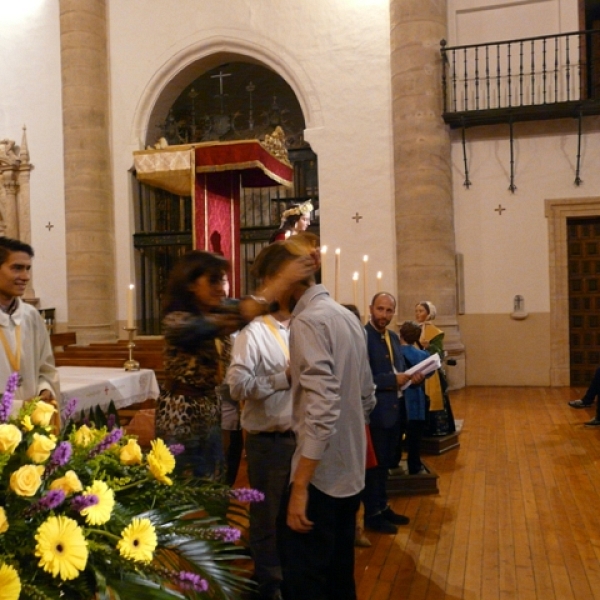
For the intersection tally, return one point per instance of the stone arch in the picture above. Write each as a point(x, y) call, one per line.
point(190, 62)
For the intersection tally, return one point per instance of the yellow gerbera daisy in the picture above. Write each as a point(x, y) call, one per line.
point(10, 584)
point(138, 541)
point(61, 547)
point(161, 453)
point(99, 513)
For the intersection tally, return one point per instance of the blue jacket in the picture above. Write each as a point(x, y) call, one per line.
point(387, 410)
point(414, 395)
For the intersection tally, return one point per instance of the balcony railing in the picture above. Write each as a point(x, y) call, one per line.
point(544, 77)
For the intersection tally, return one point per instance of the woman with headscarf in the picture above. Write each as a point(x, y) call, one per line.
point(440, 420)
point(293, 220)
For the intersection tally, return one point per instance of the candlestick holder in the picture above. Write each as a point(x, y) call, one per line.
point(131, 364)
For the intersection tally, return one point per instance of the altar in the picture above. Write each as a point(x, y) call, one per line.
point(99, 386)
point(213, 174)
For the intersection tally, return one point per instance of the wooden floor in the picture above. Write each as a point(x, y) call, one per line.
point(518, 514)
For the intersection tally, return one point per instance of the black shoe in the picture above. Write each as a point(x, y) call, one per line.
point(593, 423)
point(579, 404)
point(389, 515)
point(380, 524)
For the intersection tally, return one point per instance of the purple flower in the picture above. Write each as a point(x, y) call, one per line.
point(8, 396)
point(60, 457)
point(227, 534)
point(247, 495)
point(78, 503)
point(69, 410)
point(50, 501)
point(112, 438)
point(192, 581)
point(177, 449)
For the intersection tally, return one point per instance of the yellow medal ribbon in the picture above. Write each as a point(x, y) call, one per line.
point(14, 358)
point(388, 343)
point(269, 323)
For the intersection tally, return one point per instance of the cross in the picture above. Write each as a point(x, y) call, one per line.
point(221, 95)
point(49, 226)
point(499, 209)
point(357, 218)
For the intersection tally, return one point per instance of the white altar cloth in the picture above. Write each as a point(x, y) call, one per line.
point(97, 386)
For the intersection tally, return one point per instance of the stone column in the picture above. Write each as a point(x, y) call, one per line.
point(422, 170)
point(88, 179)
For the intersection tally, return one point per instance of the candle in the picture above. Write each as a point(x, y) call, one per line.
point(323, 260)
point(336, 274)
point(379, 275)
point(130, 302)
point(365, 290)
point(355, 287)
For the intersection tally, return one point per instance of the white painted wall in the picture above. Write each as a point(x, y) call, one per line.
point(30, 85)
point(507, 254)
point(339, 53)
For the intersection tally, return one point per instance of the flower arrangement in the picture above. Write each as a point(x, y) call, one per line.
point(85, 515)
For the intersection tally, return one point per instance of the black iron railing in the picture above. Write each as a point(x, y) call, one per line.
point(520, 75)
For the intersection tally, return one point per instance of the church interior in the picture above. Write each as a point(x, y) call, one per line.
point(450, 152)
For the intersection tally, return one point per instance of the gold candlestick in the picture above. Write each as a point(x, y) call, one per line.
point(131, 364)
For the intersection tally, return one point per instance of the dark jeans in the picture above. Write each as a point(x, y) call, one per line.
point(269, 458)
point(319, 565)
point(593, 391)
point(203, 456)
point(233, 455)
point(385, 444)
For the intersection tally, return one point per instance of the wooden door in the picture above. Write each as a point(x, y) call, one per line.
point(584, 298)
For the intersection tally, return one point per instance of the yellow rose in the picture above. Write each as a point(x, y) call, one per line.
point(158, 470)
point(69, 483)
point(26, 423)
point(40, 448)
point(26, 480)
point(42, 413)
point(3, 521)
point(131, 454)
point(10, 438)
point(84, 436)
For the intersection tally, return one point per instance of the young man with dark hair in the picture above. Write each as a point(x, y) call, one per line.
point(24, 342)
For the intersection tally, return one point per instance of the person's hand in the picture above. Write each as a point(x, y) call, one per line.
point(417, 378)
point(296, 512)
point(299, 269)
point(402, 378)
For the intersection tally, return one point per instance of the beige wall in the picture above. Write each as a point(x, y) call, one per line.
point(503, 351)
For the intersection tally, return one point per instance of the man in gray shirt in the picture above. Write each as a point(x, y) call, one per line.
point(333, 394)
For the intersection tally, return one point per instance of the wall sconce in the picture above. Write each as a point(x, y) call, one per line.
point(519, 313)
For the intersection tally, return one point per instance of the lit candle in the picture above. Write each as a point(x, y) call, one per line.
point(336, 274)
point(323, 261)
point(379, 275)
point(130, 303)
point(365, 290)
point(355, 287)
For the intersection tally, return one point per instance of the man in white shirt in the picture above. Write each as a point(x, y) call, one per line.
point(24, 342)
point(258, 377)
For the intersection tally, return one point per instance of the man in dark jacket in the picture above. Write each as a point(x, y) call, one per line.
point(387, 366)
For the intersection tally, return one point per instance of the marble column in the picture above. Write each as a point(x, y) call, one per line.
point(426, 256)
point(88, 179)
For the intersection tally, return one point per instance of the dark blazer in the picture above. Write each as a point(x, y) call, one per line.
point(387, 410)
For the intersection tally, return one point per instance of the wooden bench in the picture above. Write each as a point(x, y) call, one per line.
point(63, 340)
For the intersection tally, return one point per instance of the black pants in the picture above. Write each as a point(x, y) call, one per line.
point(269, 461)
point(319, 565)
point(593, 391)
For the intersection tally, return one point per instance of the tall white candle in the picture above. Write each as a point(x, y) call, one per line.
point(379, 276)
point(355, 288)
point(130, 304)
point(336, 275)
point(365, 287)
point(323, 263)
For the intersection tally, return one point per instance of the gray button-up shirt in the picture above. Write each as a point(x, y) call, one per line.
point(332, 391)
